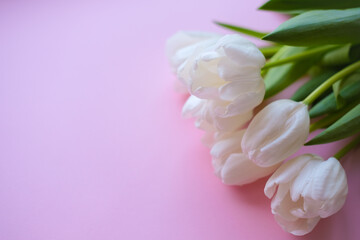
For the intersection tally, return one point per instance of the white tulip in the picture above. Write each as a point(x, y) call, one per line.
point(276, 132)
point(207, 119)
point(231, 165)
point(305, 189)
point(226, 68)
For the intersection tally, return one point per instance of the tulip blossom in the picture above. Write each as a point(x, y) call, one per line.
point(226, 68)
point(207, 119)
point(231, 165)
point(276, 132)
point(305, 189)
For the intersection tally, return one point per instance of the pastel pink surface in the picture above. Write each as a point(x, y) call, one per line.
point(92, 144)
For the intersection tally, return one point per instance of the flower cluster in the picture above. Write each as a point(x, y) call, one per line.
point(222, 74)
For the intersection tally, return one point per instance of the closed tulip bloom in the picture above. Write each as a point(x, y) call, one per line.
point(305, 189)
point(207, 119)
point(231, 165)
point(276, 132)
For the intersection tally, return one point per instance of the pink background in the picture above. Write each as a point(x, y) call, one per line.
point(92, 144)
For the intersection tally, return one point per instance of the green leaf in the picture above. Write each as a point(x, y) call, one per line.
point(336, 89)
point(319, 27)
point(312, 84)
point(341, 56)
point(278, 78)
point(333, 117)
point(349, 93)
point(345, 127)
point(305, 5)
point(243, 30)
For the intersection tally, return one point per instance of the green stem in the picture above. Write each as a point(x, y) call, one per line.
point(347, 148)
point(300, 56)
point(243, 30)
point(270, 51)
point(328, 83)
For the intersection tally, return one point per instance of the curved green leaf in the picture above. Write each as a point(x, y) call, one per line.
point(345, 127)
point(349, 93)
point(333, 117)
point(243, 30)
point(312, 84)
point(319, 27)
point(304, 5)
point(336, 89)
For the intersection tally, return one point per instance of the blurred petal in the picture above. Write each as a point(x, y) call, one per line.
point(225, 147)
point(176, 44)
point(298, 227)
point(192, 107)
point(232, 123)
point(239, 170)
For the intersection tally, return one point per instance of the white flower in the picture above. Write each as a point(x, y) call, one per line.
point(231, 165)
point(226, 68)
point(180, 46)
point(276, 132)
point(305, 189)
point(207, 119)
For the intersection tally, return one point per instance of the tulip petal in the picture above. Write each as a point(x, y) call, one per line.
point(239, 170)
point(181, 40)
point(232, 123)
point(302, 182)
point(218, 164)
point(286, 173)
point(243, 103)
point(298, 227)
point(283, 205)
point(241, 50)
point(231, 90)
point(327, 180)
point(224, 148)
point(192, 107)
point(232, 71)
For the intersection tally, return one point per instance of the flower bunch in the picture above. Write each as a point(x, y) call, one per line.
point(223, 77)
point(227, 77)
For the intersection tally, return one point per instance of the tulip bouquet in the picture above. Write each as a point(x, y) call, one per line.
point(228, 79)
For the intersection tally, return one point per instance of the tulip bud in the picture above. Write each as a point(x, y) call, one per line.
point(276, 132)
point(305, 189)
point(231, 165)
